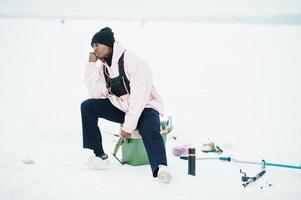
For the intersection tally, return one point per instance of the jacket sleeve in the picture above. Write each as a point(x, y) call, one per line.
point(141, 85)
point(94, 80)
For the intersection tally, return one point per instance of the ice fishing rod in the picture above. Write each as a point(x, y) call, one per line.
point(263, 163)
point(245, 179)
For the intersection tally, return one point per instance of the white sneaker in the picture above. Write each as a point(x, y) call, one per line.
point(164, 175)
point(98, 163)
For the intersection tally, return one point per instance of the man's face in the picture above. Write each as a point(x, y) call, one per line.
point(101, 50)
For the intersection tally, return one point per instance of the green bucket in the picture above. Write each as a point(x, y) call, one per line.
point(133, 150)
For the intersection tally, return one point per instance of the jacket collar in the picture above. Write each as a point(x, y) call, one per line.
point(118, 50)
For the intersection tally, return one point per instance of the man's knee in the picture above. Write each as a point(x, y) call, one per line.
point(149, 125)
point(86, 105)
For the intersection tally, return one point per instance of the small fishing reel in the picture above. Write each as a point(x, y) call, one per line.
point(245, 178)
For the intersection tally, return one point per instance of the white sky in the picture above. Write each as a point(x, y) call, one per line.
point(143, 9)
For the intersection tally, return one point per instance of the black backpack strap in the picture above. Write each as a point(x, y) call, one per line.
point(122, 72)
point(106, 75)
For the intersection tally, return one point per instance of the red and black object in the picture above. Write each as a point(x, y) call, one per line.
point(191, 161)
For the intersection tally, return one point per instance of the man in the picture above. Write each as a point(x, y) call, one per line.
point(122, 91)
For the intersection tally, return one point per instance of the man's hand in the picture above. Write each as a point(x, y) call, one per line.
point(125, 134)
point(92, 57)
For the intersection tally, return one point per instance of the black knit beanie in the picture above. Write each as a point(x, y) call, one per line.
point(104, 36)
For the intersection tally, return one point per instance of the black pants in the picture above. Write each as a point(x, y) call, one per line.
point(148, 127)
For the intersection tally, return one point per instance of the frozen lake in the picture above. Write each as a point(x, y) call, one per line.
point(237, 84)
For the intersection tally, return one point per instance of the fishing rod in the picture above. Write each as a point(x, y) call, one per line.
point(245, 179)
point(263, 163)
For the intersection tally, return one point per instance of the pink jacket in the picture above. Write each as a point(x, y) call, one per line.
point(143, 94)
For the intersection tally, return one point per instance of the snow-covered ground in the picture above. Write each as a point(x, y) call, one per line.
point(237, 84)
